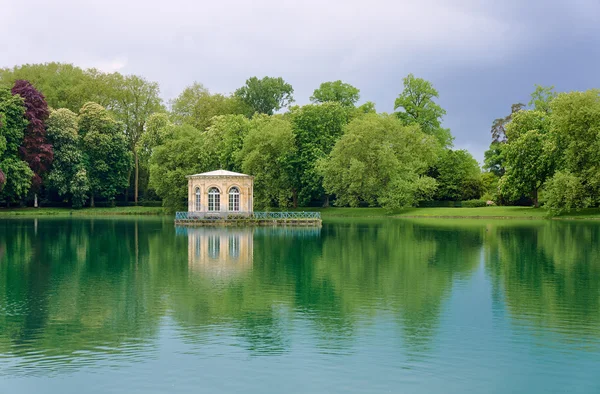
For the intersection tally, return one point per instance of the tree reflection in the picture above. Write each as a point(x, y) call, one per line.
point(549, 275)
point(80, 289)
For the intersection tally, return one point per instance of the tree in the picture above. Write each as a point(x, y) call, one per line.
point(158, 129)
point(499, 125)
point(265, 154)
point(18, 179)
point(108, 161)
point(378, 161)
point(541, 98)
point(316, 127)
point(13, 122)
point(493, 160)
point(565, 192)
point(417, 107)
point(575, 120)
point(16, 174)
point(337, 91)
point(63, 85)
point(183, 153)
point(35, 148)
point(68, 176)
point(196, 106)
point(135, 100)
point(458, 176)
point(266, 95)
point(530, 155)
point(225, 138)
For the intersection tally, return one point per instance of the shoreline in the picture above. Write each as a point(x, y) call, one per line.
point(491, 213)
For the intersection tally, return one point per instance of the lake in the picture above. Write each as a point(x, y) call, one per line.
point(136, 305)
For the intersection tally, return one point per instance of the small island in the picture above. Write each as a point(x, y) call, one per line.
point(224, 197)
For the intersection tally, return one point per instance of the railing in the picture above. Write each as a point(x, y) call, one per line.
point(287, 215)
point(247, 215)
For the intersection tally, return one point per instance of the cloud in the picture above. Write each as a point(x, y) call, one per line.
point(482, 56)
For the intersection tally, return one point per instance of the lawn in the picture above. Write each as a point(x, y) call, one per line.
point(484, 212)
point(81, 212)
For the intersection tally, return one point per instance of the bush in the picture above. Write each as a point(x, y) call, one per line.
point(565, 192)
point(474, 203)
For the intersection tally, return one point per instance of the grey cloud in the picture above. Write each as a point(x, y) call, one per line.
point(482, 56)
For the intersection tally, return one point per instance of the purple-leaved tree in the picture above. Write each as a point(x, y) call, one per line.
point(35, 149)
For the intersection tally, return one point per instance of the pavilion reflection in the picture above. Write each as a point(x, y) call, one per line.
point(220, 251)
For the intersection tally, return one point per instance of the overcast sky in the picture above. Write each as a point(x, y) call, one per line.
point(481, 56)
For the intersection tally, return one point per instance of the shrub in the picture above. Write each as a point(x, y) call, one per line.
point(565, 192)
point(474, 203)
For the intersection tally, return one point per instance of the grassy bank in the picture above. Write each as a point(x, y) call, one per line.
point(9, 212)
point(457, 213)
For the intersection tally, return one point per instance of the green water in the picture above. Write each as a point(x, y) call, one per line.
point(358, 306)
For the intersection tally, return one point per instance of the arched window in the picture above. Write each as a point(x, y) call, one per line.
point(197, 200)
point(234, 199)
point(214, 199)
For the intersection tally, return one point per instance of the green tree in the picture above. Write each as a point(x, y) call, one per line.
point(499, 125)
point(575, 119)
point(196, 106)
point(18, 179)
point(316, 127)
point(15, 172)
point(158, 130)
point(565, 192)
point(530, 155)
point(417, 106)
point(337, 91)
point(366, 108)
point(378, 161)
point(493, 160)
point(135, 99)
point(63, 85)
point(108, 160)
point(541, 98)
point(266, 155)
point(225, 138)
point(266, 95)
point(182, 154)
point(68, 176)
point(458, 176)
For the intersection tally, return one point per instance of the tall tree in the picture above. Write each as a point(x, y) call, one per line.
point(108, 161)
point(378, 161)
point(135, 100)
point(265, 154)
point(575, 120)
point(35, 149)
point(458, 176)
point(418, 107)
point(499, 125)
point(16, 173)
point(183, 153)
point(266, 95)
point(225, 138)
point(316, 127)
point(338, 91)
point(68, 176)
point(63, 85)
point(541, 98)
point(530, 155)
point(196, 106)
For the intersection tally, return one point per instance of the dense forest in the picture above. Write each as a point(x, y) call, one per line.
point(76, 137)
